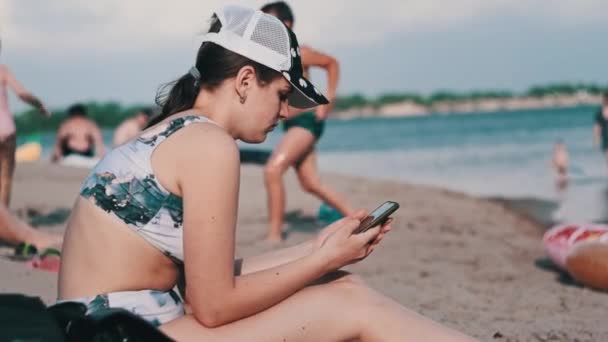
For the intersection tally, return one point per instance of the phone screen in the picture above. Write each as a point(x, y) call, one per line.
point(377, 216)
point(381, 209)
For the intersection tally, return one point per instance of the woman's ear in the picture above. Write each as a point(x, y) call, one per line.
point(245, 78)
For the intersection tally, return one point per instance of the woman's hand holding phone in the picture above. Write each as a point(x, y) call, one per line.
point(340, 246)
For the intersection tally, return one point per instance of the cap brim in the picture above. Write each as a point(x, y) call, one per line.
point(304, 94)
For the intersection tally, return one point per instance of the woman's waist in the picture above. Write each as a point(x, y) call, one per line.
point(101, 254)
point(78, 144)
point(83, 279)
point(156, 307)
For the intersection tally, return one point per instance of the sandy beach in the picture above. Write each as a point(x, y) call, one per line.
point(470, 263)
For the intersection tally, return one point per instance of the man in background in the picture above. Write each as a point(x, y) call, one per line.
point(131, 127)
point(78, 136)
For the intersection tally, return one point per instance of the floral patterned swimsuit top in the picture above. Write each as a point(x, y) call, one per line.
point(123, 184)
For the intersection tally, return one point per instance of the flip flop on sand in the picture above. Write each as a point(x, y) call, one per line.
point(48, 260)
point(24, 252)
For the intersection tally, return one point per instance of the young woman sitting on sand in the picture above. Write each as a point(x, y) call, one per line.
point(166, 202)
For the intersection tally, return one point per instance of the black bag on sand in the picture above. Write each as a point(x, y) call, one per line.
point(26, 319)
point(112, 325)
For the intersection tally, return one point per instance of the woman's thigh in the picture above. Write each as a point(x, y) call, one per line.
point(324, 311)
point(293, 147)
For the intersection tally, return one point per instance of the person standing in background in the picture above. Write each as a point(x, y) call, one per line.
point(560, 164)
point(303, 131)
point(600, 129)
point(8, 133)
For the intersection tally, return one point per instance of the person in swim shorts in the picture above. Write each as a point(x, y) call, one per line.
point(302, 132)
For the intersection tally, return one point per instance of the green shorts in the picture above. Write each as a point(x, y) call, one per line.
point(308, 121)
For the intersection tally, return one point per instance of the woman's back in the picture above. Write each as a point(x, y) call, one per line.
point(125, 216)
point(77, 133)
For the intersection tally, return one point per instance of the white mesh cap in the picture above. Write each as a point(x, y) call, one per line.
point(265, 39)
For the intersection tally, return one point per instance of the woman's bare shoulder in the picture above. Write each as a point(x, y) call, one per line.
point(202, 140)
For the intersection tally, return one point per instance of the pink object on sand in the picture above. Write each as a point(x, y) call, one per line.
point(49, 263)
point(559, 240)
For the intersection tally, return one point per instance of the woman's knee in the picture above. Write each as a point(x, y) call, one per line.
point(274, 170)
point(347, 278)
point(346, 296)
point(352, 286)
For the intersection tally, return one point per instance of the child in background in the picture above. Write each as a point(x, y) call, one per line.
point(560, 164)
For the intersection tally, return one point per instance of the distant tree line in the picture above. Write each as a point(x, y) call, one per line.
point(106, 114)
point(358, 100)
point(110, 114)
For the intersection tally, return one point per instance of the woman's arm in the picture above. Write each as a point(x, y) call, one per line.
point(272, 259)
point(311, 57)
point(285, 255)
point(23, 94)
point(314, 58)
point(208, 177)
point(209, 182)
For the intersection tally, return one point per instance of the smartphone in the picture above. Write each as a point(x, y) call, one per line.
point(378, 216)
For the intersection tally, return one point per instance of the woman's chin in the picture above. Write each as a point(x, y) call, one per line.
point(255, 139)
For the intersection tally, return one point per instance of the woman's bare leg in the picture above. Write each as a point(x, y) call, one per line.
point(295, 144)
point(311, 183)
point(7, 168)
point(342, 309)
point(14, 231)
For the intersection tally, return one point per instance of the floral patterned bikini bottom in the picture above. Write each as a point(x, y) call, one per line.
point(156, 307)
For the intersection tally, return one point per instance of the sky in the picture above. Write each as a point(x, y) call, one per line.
point(76, 50)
